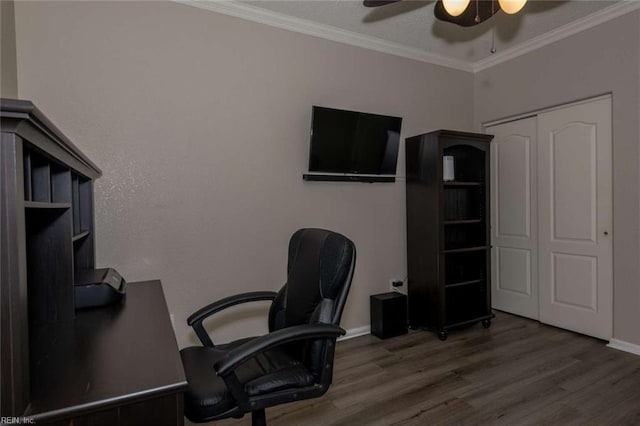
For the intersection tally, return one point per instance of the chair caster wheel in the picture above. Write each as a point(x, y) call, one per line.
point(486, 323)
point(443, 335)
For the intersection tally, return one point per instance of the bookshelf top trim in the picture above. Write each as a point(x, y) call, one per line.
point(15, 111)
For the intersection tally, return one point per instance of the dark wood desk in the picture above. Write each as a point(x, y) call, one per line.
point(117, 365)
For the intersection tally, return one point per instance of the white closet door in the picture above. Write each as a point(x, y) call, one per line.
point(514, 276)
point(575, 217)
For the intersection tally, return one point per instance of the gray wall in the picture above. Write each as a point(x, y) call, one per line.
point(604, 59)
point(8, 70)
point(200, 123)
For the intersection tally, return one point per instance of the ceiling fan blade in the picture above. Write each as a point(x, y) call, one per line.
point(485, 10)
point(376, 3)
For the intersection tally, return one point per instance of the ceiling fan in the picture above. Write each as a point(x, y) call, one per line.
point(464, 13)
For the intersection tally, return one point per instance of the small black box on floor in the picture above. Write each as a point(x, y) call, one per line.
point(388, 314)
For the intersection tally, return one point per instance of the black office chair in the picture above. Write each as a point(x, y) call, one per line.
point(294, 361)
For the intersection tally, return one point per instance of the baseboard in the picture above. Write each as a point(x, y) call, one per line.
point(621, 345)
point(355, 332)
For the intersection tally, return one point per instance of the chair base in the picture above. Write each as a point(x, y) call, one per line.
point(258, 418)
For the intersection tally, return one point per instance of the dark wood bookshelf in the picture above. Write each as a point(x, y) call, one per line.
point(466, 249)
point(462, 222)
point(39, 258)
point(457, 183)
point(464, 283)
point(42, 205)
point(448, 252)
point(113, 365)
point(471, 321)
point(80, 236)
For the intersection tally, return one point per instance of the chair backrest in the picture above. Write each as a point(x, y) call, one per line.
point(319, 274)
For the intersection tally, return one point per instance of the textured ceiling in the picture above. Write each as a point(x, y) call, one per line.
point(411, 23)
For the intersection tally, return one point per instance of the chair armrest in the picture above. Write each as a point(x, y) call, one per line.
point(227, 302)
point(195, 319)
point(260, 344)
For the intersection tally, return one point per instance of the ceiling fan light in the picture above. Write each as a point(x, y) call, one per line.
point(456, 7)
point(511, 6)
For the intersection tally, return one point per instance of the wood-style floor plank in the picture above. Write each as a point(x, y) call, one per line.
point(518, 372)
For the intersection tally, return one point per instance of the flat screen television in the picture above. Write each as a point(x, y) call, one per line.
point(351, 145)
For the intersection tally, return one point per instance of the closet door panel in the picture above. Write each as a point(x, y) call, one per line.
point(575, 217)
point(572, 181)
point(514, 218)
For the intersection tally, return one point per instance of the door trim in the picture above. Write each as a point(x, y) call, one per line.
point(537, 112)
point(621, 345)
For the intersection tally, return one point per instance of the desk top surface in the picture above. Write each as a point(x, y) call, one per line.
point(108, 356)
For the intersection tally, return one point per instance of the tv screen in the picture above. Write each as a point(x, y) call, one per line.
point(353, 142)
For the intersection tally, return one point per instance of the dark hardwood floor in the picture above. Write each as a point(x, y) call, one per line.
point(518, 372)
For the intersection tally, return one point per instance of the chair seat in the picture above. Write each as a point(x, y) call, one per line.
point(207, 395)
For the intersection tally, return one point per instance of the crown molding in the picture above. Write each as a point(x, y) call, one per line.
point(262, 16)
point(590, 21)
point(266, 17)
